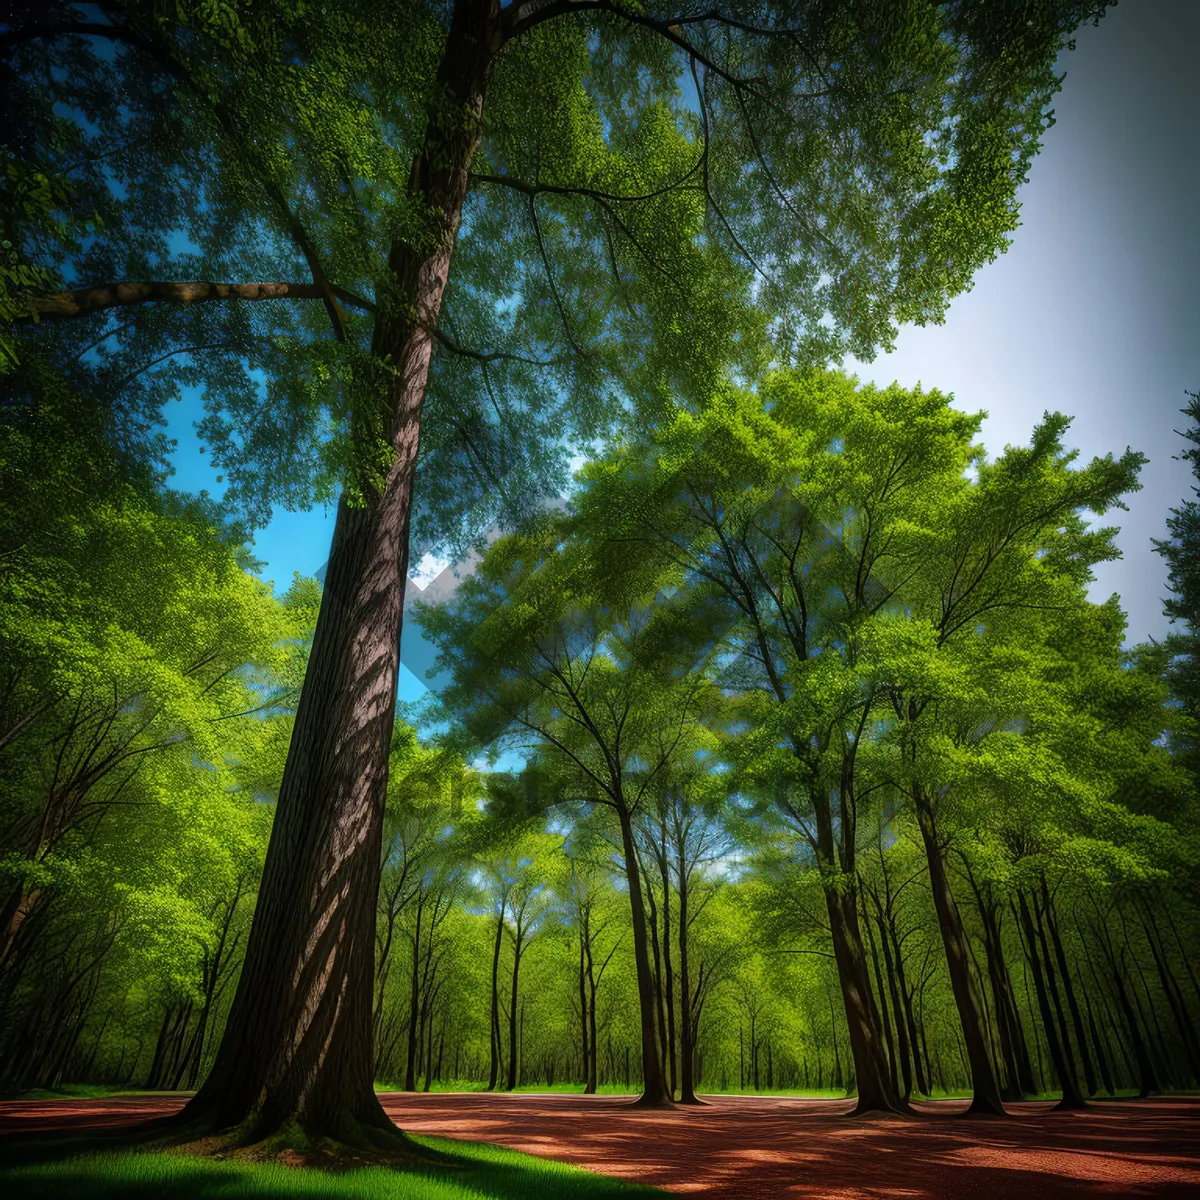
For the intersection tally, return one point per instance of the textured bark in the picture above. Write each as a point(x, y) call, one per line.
point(654, 1085)
point(297, 1044)
point(875, 1091)
point(985, 1090)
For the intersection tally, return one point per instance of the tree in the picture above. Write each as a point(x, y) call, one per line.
point(577, 114)
point(543, 656)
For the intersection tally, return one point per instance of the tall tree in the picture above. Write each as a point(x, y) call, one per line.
point(628, 171)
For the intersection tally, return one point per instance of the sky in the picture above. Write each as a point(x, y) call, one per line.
point(1094, 310)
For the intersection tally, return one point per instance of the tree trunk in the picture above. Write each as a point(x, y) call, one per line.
point(654, 1087)
point(592, 1081)
point(512, 1017)
point(297, 1044)
point(658, 988)
point(888, 1040)
point(985, 1092)
point(585, 1059)
point(1060, 956)
point(668, 975)
point(919, 1065)
point(414, 1000)
point(875, 1091)
point(687, 1054)
point(1013, 1047)
point(494, 1074)
point(1059, 1055)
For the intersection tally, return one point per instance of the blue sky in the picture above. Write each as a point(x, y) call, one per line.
point(1094, 311)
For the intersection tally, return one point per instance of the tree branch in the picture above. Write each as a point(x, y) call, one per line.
point(123, 295)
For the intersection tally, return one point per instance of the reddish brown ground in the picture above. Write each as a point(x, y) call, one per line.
point(749, 1147)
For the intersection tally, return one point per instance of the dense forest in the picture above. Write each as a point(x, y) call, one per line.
point(813, 704)
point(779, 748)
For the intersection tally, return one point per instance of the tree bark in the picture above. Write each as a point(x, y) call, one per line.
point(668, 974)
point(1060, 956)
point(297, 1044)
point(654, 1087)
point(985, 1097)
point(1063, 1067)
point(494, 1073)
point(687, 1050)
point(513, 1055)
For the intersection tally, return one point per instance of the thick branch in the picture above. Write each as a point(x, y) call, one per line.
point(123, 295)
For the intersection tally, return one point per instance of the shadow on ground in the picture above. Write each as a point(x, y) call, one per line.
point(751, 1147)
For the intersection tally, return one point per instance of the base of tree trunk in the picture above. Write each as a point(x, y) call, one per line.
point(879, 1108)
point(645, 1101)
point(693, 1101)
point(982, 1107)
point(347, 1141)
point(1065, 1105)
point(353, 1144)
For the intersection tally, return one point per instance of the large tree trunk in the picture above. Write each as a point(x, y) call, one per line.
point(654, 1085)
point(875, 1091)
point(985, 1096)
point(297, 1044)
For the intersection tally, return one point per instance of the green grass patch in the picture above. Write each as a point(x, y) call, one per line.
point(72, 1091)
point(477, 1172)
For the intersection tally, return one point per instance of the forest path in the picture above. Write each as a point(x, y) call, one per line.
point(751, 1146)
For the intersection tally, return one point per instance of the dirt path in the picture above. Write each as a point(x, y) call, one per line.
point(750, 1147)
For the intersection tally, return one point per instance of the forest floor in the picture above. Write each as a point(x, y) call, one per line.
point(751, 1146)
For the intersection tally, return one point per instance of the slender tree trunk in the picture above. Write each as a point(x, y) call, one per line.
point(687, 1082)
point(985, 1097)
point(1059, 1055)
point(668, 974)
point(297, 1044)
point(888, 1040)
point(659, 1010)
point(513, 1048)
point(588, 1089)
point(910, 1017)
point(1064, 1032)
point(1060, 957)
point(414, 1001)
point(654, 1086)
point(1013, 1047)
point(494, 1074)
point(592, 1082)
point(1173, 993)
point(902, 1031)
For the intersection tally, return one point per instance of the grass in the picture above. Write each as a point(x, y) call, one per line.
point(73, 1091)
point(476, 1172)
